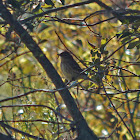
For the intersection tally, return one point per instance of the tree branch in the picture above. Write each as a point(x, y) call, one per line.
point(18, 131)
point(82, 128)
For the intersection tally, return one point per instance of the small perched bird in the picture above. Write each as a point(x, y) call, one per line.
point(70, 68)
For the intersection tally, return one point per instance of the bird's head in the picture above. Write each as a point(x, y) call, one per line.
point(65, 55)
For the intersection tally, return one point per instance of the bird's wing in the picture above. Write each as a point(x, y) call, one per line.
point(75, 66)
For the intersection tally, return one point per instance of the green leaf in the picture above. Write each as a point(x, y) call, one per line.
point(138, 46)
point(93, 46)
point(30, 26)
point(42, 41)
point(102, 48)
point(126, 21)
point(118, 35)
point(134, 44)
point(104, 42)
point(125, 34)
point(136, 25)
point(49, 2)
point(14, 3)
point(126, 39)
point(37, 8)
point(99, 55)
point(63, 2)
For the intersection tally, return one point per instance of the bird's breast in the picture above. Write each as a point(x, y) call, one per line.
point(66, 70)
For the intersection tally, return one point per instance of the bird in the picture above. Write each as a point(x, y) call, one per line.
point(71, 69)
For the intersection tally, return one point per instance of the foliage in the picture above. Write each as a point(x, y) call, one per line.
point(106, 46)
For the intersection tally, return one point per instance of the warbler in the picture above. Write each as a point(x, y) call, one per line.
point(71, 69)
